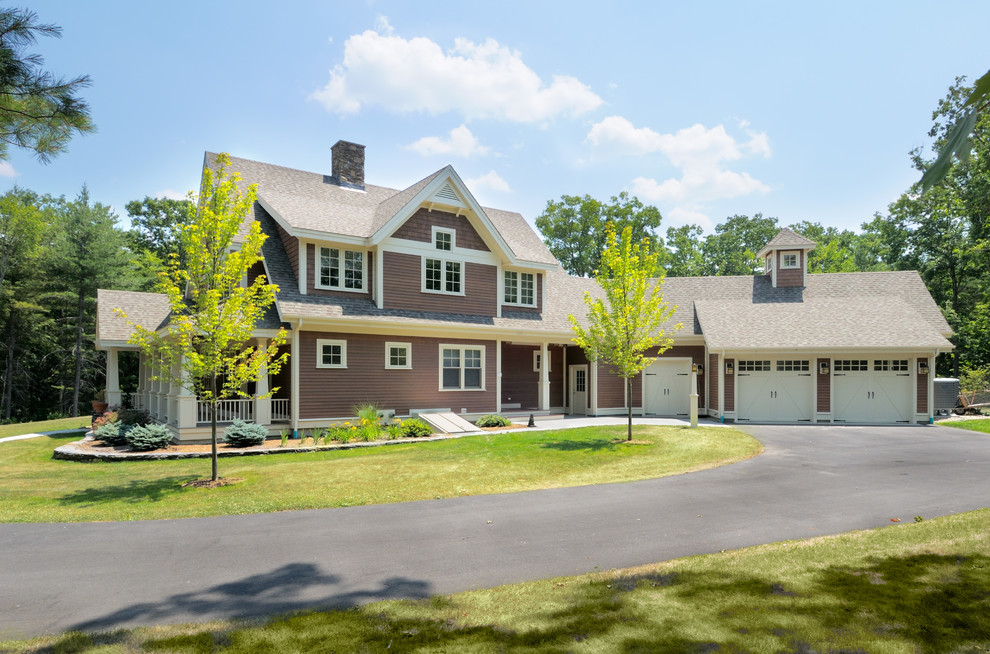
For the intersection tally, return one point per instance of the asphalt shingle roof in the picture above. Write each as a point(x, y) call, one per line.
point(150, 310)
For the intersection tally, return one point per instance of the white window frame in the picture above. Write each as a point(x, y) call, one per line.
point(536, 361)
point(320, 342)
point(797, 260)
point(443, 230)
point(505, 287)
point(388, 355)
point(443, 270)
point(341, 269)
point(461, 348)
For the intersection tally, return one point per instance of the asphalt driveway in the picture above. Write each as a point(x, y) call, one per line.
point(811, 480)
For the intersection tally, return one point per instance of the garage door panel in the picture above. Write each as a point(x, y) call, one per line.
point(667, 388)
point(774, 390)
point(872, 390)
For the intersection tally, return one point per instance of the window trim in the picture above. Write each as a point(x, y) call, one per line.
point(443, 269)
point(461, 348)
point(505, 286)
point(388, 355)
point(783, 260)
point(536, 361)
point(320, 342)
point(434, 230)
point(341, 268)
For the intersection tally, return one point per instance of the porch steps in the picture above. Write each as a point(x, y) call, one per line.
point(448, 423)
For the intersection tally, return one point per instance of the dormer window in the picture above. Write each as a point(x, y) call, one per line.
point(340, 269)
point(519, 288)
point(790, 260)
point(443, 239)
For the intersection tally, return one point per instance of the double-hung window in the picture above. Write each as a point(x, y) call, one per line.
point(462, 368)
point(331, 353)
point(443, 276)
point(520, 288)
point(340, 269)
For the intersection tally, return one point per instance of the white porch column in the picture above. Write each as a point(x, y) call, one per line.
point(294, 391)
point(186, 401)
point(544, 402)
point(498, 376)
point(593, 386)
point(262, 403)
point(113, 378)
point(694, 398)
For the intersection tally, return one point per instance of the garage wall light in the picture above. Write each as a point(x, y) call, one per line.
point(823, 367)
point(922, 367)
point(699, 368)
point(728, 367)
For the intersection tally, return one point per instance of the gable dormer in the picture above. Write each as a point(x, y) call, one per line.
point(785, 259)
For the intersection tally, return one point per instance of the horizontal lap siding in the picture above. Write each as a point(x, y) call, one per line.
point(730, 387)
point(291, 246)
point(519, 381)
point(539, 299)
point(333, 392)
point(824, 389)
point(557, 376)
point(611, 388)
point(922, 391)
point(403, 287)
point(697, 355)
point(712, 381)
point(419, 227)
point(790, 276)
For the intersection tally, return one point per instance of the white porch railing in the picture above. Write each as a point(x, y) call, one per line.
point(281, 409)
point(227, 411)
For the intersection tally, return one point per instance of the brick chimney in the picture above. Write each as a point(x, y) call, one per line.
point(347, 164)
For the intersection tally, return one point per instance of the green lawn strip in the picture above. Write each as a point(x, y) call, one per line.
point(977, 424)
point(496, 462)
point(21, 428)
point(919, 587)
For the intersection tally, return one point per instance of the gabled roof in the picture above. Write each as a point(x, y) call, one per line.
point(312, 205)
point(150, 310)
point(786, 239)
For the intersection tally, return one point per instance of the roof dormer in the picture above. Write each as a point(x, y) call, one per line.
point(785, 258)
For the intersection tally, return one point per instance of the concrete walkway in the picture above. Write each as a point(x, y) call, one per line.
point(811, 480)
point(46, 433)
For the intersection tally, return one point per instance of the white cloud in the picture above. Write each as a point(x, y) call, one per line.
point(170, 194)
point(382, 26)
point(699, 152)
point(685, 216)
point(7, 170)
point(461, 143)
point(477, 80)
point(489, 181)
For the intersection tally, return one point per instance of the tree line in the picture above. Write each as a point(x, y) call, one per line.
point(55, 253)
point(941, 230)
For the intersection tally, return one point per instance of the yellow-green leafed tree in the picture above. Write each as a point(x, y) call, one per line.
point(213, 313)
point(628, 320)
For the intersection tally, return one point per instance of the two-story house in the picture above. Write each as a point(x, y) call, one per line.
point(421, 300)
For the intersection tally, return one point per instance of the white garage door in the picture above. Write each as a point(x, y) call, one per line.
point(774, 390)
point(872, 390)
point(667, 388)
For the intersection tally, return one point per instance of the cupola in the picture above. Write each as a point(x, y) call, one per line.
point(785, 258)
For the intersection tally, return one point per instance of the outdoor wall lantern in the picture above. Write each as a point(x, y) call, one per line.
point(922, 367)
point(698, 368)
point(823, 367)
point(728, 367)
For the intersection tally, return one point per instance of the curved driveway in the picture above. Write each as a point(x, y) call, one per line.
point(811, 480)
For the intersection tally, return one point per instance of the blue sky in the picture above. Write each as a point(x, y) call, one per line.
point(803, 111)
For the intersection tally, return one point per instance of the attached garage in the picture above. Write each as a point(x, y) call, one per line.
point(667, 388)
point(774, 390)
point(872, 390)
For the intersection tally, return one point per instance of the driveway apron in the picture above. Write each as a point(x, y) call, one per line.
point(811, 480)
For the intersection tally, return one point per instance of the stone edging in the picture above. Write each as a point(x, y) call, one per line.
point(73, 451)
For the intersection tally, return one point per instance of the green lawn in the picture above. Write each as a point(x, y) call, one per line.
point(911, 588)
point(37, 488)
point(19, 428)
point(977, 424)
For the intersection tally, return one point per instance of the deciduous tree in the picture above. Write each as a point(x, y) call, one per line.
point(211, 324)
point(628, 318)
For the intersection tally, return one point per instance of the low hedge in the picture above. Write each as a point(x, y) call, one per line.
point(245, 434)
point(148, 437)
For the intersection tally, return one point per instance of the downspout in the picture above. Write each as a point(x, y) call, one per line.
point(721, 387)
point(294, 365)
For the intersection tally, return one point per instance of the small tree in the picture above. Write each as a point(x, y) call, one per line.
point(213, 315)
point(628, 320)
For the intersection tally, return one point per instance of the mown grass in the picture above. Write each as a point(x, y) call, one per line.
point(21, 428)
point(491, 463)
point(912, 588)
point(977, 424)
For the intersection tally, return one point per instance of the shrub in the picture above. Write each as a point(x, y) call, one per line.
point(148, 437)
point(493, 420)
point(105, 419)
point(134, 417)
point(342, 433)
point(368, 421)
point(244, 434)
point(113, 433)
point(414, 428)
point(394, 430)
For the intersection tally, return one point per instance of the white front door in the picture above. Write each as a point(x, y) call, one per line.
point(578, 387)
point(667, 388)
